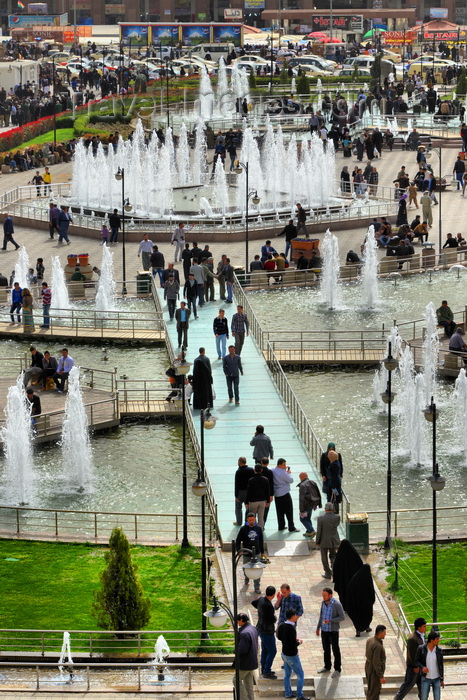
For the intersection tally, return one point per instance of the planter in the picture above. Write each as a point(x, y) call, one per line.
point(72, 260)
point(83, 260)
point(303, 245)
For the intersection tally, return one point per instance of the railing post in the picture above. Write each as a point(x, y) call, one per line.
point(139, 678)
point(17, 520)
point(187, 643)
point(176, 528)
point(37, 678)
point(95, 525)
point(395, 523)
point(90, 644)
point(88, 681)
point(136, 526)
point(139, 643)
point(56, 523)
point(42, 644)
point(189, 678)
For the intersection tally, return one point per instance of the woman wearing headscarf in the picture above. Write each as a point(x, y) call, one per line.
point(335, 458)
point(402, 213)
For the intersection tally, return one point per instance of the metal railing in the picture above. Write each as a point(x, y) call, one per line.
point(57, 523)
point(410, 522)
point(413, 330)
point(453, 634)
point(103, 379)
point(13, 366)
point(98, 413)
point(99, 677)
point(334, 343)
point(98, 323)
point(144, 392)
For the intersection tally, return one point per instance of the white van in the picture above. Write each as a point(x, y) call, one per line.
point(214, 50)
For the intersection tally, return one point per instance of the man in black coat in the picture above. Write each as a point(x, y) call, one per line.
point(265, 627)
point(412, 673)
point(202, 381)
point(257, 495)
point(242, 477)
point(290, 232)
point(250, 535)
point(433, 676)
point(247, 656)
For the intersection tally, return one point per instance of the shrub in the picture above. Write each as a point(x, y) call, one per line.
point(252, 80)
point(120, 603)
point(461, 88)
point(303, 85)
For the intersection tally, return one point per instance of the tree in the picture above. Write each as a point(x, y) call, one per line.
point(120, 603)
point(303, 85)
point(461, 89)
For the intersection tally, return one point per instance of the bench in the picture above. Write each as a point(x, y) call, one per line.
point(42, 423)
point(349, 272)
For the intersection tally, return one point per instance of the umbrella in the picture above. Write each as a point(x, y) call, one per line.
point(316, 35)
point(369, 34)
point(334, 40)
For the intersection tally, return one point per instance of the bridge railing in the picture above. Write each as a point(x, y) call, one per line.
point(80, 322)
point(143, 391)
point(328, 341)
point(63, 524)
point(406, 523)
point(411, 330)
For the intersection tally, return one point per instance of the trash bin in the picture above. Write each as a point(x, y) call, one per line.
point(143, 283)
point(357, 532)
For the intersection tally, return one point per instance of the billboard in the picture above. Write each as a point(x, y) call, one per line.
point(398, 37)
point(233, 13)
point(165, 34)
point(137, 33)
point(37, 8)
point(345, 22)
point(438, 12)
point(254, 4)
point(227, 33)
point(22, 21)
point(194, 34)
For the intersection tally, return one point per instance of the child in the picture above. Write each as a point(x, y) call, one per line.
point(105, 235)
point(40, 269)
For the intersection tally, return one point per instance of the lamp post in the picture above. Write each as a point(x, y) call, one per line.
point(437, 483)
point(391, 363)
point(167, 61)
point(438, 152)
point(272, 64)
point(252, 569)
point(54, 103)
point(253, 195)
point(126, 207)
point(183, 367)
point(199, 488)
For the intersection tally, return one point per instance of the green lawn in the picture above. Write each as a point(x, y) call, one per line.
point(414, 591)
point(50, 585)
point(62, 135)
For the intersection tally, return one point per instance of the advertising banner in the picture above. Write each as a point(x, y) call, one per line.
point(165, 34)
point(438, 12)
point(194, 34)
point(138, 33)
point(345, 22)
point(227, 33)
point(20, 21)
point(233, 13)
point(443, 36)
point(254, 4)
point(399, 37)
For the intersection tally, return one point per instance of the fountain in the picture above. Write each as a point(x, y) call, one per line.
point(60, 298)
point(206, 96)
point(164, 177)
point(106, 291)
point(76, 446)
point(65, 655)
point(17, 445)
point(460, 395)
point(330, 278)
point(410, 405)
point(162, 651)
point(430, 352)
point(22, 268)
point(370, 270)
point(380, 380)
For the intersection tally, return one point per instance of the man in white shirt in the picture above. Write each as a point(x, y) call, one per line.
point(429, 659)
point(178, 237)
point(144, 251)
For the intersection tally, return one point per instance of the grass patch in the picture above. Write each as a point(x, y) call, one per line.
point(50, 586)
point(414, 592)
point(62, 135)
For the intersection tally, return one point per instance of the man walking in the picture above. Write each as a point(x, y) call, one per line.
point(144, 251)
point(327, 537)
point(257, 495)
point(157, 263)
point(171, 290)
point(54, 211)
point(287, 634)
point(262, 445)
point(198, 273)
point(242, 477)
point(250, 535)
point(412, 673)
point(331, 614)
point(309, 499)
point(239, 327)
point(375, 664)
point(284, 505)
point(178, 237)
point(232, 366)
point(115, 224)
point(16, 300)
point(228, 275)
point(290, 232)
point(64, 221)
point(265, 627)
point(190, 292)
point(220, 327)
point(429, 660)
point(182, 316)
point(8, 231)
point(247, 656)
point(301, 219)
point(202, 381)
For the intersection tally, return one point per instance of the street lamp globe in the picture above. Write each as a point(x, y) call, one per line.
point(199, 488)
point(437, 482)
point(118, 174)
point(216, 616)
point(256, 199)
point(254, 568)
point(429, 412)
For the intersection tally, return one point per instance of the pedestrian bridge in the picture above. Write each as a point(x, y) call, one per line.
point(262, 389)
